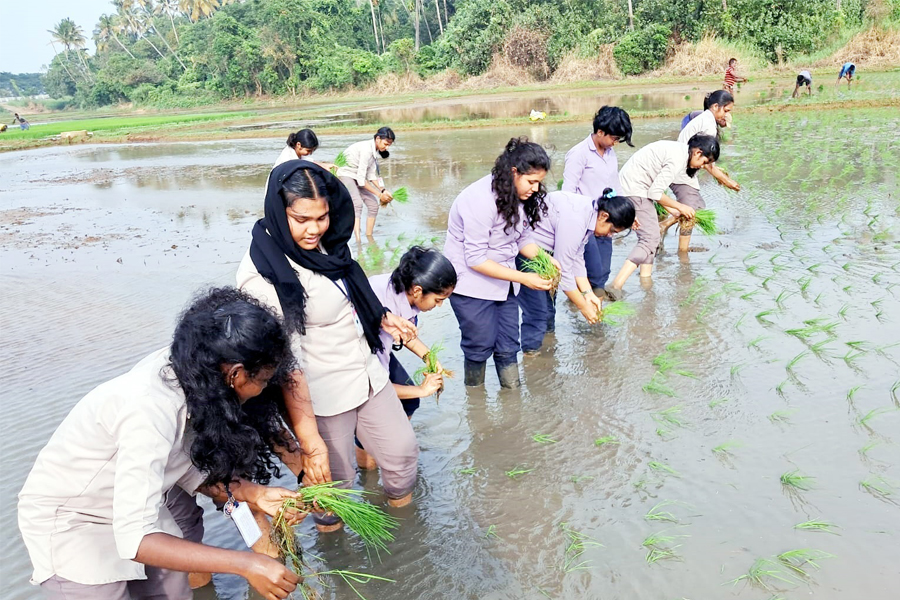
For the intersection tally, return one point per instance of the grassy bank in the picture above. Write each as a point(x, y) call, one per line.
point(773, 91)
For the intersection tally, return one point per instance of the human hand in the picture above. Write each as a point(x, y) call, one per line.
point(590, 312)
point(271, 499)
point(686, 211)
point(556, 264)
point(269, 577)
point(314, 459)
point(432, 384)
point(637, 224)
point(536, 282)
point(733, 185)
point(399, 328)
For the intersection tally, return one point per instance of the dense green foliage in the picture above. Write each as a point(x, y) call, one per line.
point(21, 84)
point(191, 52)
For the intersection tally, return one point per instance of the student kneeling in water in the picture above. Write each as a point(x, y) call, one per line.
point(717, 106)
point(645, 178)
point(571, 221)
point(92, 511)
point(420, 283)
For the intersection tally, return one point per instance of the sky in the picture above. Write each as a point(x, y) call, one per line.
point(24, 41)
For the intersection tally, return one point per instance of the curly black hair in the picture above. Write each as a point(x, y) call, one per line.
point(525, 157)
point(226, 326)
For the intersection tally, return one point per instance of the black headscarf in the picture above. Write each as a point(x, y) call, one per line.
point(272, 245)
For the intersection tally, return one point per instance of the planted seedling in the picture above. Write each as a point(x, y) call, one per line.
point(467, 471)
point(655, 514)
point(659, 547)
point(543, 438)
point(661, 467)
point(878, 486)
point(516, 472)
point(781, 416)
point(657, 385)
point(762, 572)
point(793, 363)
point(726, 447)
point(491, 533)
point(614, 312)
point(796, 481)
point(669, 417)
point(717, 402)
point(578, 543)
point(543, 266)
point(817, 525)
point(797, 560)
point(606, 439)
point(864, 420)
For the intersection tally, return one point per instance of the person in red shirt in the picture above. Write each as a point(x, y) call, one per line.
point(731, 77)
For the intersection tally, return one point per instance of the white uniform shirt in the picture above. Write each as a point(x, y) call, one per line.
point(653, 168)
point(287, 153)
point(340, 367)
point(362, 162)
point(98, 486)
point(704, 123)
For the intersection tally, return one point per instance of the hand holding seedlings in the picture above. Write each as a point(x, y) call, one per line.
point(433, 384)
point(399, 328)
point(546, 268)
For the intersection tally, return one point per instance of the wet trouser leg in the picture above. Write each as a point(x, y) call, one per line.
point(487, 327)
point(398, 375)
point(648, 235)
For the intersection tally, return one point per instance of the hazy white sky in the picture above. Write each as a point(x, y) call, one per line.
point(24, 41)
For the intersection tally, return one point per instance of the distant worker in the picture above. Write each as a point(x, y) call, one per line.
point(847, 72)
point(363, 178)
point(301, 145)
point(23, 124)
point(803, 78)
point(731, 76)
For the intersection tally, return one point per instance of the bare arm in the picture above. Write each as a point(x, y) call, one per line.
point(677, 207)
point(314, 453)
point(722, 177)
point(585, 300)
point(490, 268)
point(267, 576)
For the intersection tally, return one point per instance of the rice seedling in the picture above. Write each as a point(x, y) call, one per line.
point(717, 402)
point(752, 269)
point(467, 471)
point(401, 195)
point(779, 389)
point(371, 523)
point(669, 417)
point(797, 481)
point(819, 348)
point(804, 283)
point(340, 160)
point(817, 525)
point(559, 184)
point(740, 321)
point(726, 447)
point(543, 266)
point(762, 316)
point(543, 438)
point(749, 295)
point(736, 369)
point(878, 486)
point(433, 365)
point(814, 268)
point(765, 282)
point(762, 572)
point(871, 445)
point(517, 472)
point(660, 210)
point(655, 554)
point(842, 313)
point(851, 356)
point(657, 385)
point(679, 345)
point(661, 467)
point(348, 577)
point(659, 547)
point(614, 312)
point(894, 390)
point(796, 560)
point(578, 544)
point(864, 420)
point(793, 362)
point(784, 295)
point(851, 393)
point(655, 514)
point(491, 533)
point(781, 416)
point(606, 439)
point(580, 478)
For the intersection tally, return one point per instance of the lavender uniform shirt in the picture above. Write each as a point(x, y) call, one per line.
point(397, 304)
point(587, 173)
point(476, 233)
point(565, 232)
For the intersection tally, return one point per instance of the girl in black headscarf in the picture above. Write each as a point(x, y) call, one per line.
point(299, 264)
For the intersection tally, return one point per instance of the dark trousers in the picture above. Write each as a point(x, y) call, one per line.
point(538, 313)
point(487, 327)
point(598, 260)
point(397, 374)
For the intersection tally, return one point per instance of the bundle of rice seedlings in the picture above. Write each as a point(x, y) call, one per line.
point(704, 219)
point(371, 523)
point(660, 210)
point(543, 266)
point(432, 366)
point(340, 160)
point(614, 312)
point(401, 195)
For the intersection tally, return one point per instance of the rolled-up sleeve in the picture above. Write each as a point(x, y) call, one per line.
point(145, 433)
point(568, 249)
point(477, 221)
point(575, 161)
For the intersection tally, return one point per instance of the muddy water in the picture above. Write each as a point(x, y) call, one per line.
point(101, 247)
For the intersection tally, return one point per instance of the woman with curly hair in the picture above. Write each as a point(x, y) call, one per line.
point(489, 224)
point(188, 417)
point(300, 265)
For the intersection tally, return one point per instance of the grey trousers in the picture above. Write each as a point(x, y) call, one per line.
point(648, 234)
point(161, 584)
point(361, 196)
point(385, 432)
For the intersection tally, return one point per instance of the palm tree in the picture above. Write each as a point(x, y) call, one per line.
point(375, 27)
point(197, 9)
point(141, 22)
point(107, 27)
point(70, 35)
point(437, 10)
point(630, 16)
point(170, 9)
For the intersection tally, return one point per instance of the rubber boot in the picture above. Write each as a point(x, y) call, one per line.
point(507, 370)
point(474, 373)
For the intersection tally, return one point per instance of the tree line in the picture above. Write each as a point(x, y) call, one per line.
point(189, 52)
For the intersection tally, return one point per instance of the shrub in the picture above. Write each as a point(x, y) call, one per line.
point(527, 49)
point(642, 50)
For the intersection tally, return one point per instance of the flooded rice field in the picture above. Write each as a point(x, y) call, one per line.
point(739, 437)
